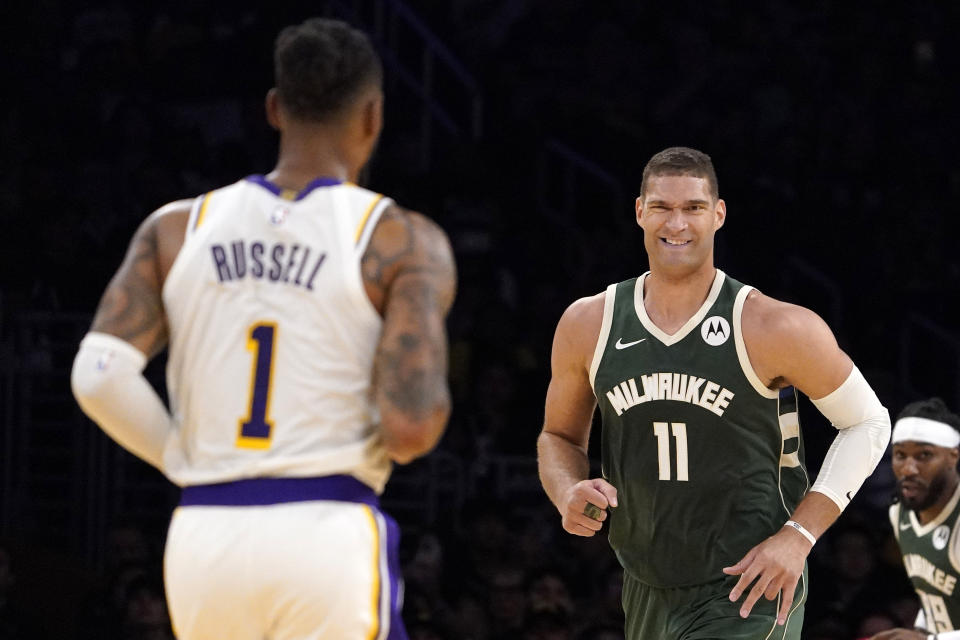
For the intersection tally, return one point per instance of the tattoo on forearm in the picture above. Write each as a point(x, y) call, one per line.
point(413, 373)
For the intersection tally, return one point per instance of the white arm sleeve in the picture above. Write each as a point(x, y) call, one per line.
point(864, 431)
point(108, 384)
point(921, 621)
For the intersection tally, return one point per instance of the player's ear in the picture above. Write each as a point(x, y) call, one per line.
point(373, 114)
point(639, 208)
point(721, 213)
point(955, 455)
point(272, 104)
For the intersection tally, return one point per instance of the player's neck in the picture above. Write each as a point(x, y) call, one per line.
point(308, 155)
point(671, 300)
point(931, 512)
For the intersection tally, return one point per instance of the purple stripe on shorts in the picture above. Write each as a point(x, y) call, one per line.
point(261, 491)
point(397, 630)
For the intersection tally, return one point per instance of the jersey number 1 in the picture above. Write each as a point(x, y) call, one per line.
point(661, 431)
point(256, 428)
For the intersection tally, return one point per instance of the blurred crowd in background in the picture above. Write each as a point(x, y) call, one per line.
point(833, 129)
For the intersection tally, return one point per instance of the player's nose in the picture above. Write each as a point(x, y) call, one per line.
point(910, 467)
point(675, 220)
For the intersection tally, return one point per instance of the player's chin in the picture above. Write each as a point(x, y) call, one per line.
point(913, 500)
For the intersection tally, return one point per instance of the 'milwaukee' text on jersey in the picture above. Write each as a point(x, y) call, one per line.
point(919, 567)
point(278, 262)
point(678, 387)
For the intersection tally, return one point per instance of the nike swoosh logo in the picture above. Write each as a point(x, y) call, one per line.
point(904, 527)
point(623, 345)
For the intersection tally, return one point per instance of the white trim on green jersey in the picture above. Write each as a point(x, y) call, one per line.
point(694, 321)
point(609, 298)
point(742, 355)
point(922, 530)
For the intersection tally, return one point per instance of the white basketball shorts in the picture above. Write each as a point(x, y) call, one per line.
point(283, 559)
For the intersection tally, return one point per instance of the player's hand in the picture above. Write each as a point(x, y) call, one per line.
point(595, 491)
point(901, 634)
point(773, 566)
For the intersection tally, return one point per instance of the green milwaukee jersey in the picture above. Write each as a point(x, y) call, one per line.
point(707, 461)
point(931, 556)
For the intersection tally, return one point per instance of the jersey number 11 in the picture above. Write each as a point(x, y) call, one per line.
point(662, 431)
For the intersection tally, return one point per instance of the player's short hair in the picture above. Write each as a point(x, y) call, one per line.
point(320, 67)
point(932, 409)
point(681, 161)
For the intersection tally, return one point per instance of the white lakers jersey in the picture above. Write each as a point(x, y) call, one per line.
point(272, 336)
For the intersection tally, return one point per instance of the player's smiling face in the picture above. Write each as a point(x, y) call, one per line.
point(923, 472)
point(679, 217)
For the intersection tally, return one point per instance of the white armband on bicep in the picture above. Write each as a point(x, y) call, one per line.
point(109, 386)
point(864, 431)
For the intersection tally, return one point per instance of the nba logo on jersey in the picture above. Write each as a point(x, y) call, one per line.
point(940, 537)
point(278, 215)
point(715, 330)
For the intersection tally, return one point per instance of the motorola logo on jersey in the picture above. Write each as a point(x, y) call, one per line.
point(715, 330)
point(940, 537)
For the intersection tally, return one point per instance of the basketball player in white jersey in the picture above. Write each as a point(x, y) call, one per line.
point(305, 321)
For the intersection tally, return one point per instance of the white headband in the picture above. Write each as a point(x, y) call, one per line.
point(925, 430)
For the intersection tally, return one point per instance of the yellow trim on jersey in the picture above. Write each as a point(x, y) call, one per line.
point(375, 629)
point(203, 210)
point(288, 194)
point(366, 216)
point(166, 592)
point(247, 442)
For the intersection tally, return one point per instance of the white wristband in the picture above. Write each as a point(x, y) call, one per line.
point(801, 530)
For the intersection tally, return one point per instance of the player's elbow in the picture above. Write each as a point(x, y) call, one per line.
point(407, 438)
point(88, 390)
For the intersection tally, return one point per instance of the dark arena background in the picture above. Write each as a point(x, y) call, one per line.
point(522, 128)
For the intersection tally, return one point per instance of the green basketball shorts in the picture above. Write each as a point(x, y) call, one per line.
point(704, 612)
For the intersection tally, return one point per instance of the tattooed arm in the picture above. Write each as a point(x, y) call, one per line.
point(410, 276)
point(128, 329)
point(131, 308)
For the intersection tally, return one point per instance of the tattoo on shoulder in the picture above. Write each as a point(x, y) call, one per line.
point(392, 241)
point(407, 243)
point(131, 307)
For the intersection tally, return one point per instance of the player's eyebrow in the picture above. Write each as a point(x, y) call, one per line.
point(664, 203)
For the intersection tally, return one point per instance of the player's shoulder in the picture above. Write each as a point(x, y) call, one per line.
point(585, 310)
point(171, 215)
point(407, 242)
point(172, 210)
point(767, 318)
point(420, 222)
point(579, 326)
point(411, 237)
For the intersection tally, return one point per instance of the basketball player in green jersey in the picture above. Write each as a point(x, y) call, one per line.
point(702, 455)
point(925, 440)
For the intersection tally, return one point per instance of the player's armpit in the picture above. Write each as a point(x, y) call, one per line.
point(791, 345)
point(410, 263)
point(131, 307)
